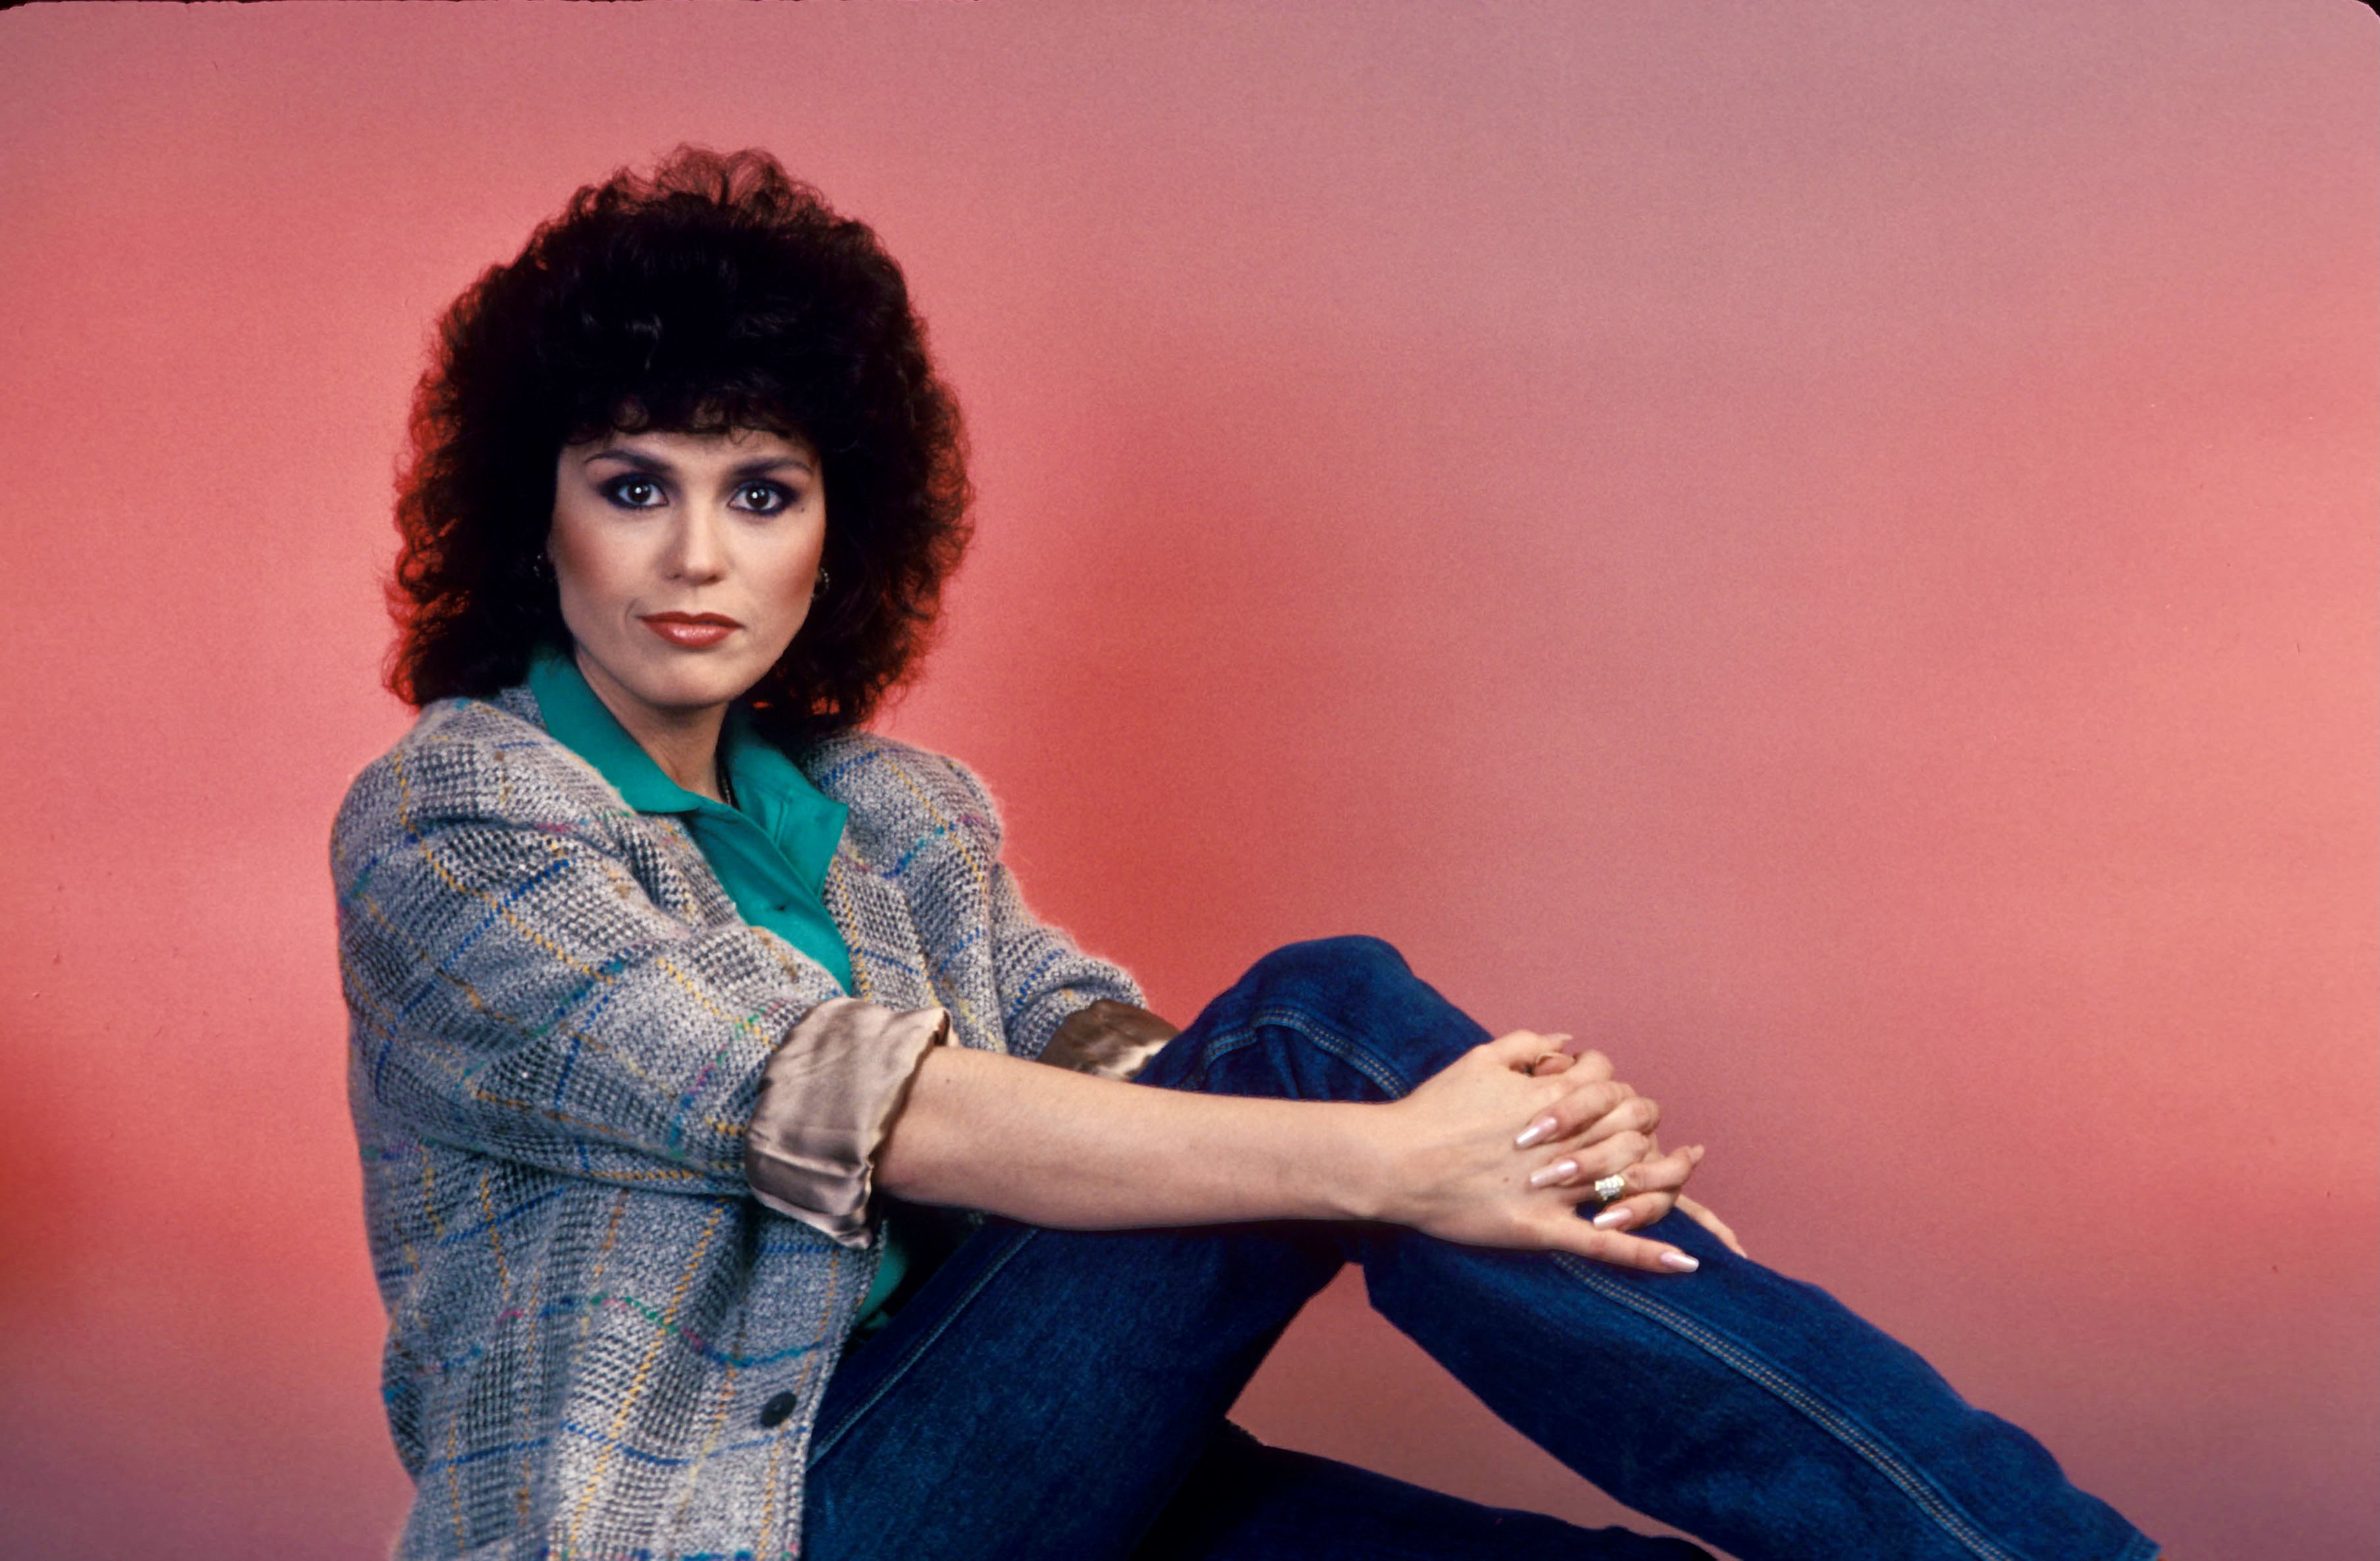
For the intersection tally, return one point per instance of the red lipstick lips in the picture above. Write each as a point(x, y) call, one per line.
point(691, 631)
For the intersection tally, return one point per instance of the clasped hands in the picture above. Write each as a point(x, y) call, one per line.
point(1500, 1147)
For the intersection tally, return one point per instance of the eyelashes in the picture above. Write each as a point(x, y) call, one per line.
point(632, 490)
point(764, 497)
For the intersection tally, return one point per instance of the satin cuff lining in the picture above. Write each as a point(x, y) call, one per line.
point(1108, 1038)
point(828, 1097)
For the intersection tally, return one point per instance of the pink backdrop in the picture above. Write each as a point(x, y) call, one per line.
point(1827, 547)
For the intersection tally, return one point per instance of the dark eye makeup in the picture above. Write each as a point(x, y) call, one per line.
point(765, 498)
point(633, 491)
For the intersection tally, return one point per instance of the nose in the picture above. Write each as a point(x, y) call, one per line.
point(697, 552)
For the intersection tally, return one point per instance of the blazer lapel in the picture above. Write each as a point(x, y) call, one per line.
point(888, 960)
point(888, 965)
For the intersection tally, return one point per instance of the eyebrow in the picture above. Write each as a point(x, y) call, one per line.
point(656, 466)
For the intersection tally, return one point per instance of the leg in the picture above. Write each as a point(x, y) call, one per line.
point(1046, 1391)
point(1061, 1395)
point(1736, 1404)
point(1752, 1411)
point(1052, 1388)
point(1244, 1501)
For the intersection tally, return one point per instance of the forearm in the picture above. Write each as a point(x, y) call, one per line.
point(1063, 1149)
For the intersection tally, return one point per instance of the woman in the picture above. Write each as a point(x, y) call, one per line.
point(723, 1195)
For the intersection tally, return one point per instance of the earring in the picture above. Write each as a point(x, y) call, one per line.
point(820, 589)
point(540, 568)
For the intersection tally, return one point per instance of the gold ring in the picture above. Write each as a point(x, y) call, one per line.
point(1610, 1187)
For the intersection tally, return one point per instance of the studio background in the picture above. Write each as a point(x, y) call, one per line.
point(1829, 548)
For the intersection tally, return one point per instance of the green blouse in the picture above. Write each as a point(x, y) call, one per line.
point(771, 852)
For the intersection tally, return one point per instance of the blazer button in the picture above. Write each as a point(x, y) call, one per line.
point(776, 1412)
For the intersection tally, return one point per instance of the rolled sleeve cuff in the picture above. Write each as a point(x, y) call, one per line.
point(828, 1097)
point(1108, 1038)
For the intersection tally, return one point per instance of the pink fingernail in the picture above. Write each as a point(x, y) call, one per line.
point(1612, 1219)
point(1543, 1128)
point(1560, 1170)
point(1679, 1263)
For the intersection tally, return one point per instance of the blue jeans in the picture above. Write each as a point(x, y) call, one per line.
point(1062, 1394)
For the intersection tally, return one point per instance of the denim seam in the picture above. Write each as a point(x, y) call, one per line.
point(1346, 1048)
point(1921, 1491)
point(820, 1446)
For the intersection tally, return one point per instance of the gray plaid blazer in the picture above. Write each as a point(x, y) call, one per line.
point(557, 1025)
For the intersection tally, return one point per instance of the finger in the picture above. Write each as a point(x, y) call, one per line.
point(1591, 1066)
point(1551, 1064)
point(1619, 1250)
point(1579, 1169)
point(1635, 1113)
point(1634, 1214)
point(1653, 1184)
point(1619, 1155)
point(1702, 1216)
point(1521, 1048)
point(1572, 1111)
point(1649, 1181)
point(1658, 1172)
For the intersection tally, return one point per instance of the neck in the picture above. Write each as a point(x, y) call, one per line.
point(684, 743)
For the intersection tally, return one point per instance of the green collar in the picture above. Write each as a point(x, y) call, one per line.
point(581, 723)
point(771, 788)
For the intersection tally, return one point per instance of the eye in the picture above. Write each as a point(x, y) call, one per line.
point(634, 492)
point(764, 497)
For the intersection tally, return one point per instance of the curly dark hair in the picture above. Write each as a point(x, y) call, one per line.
point(717, 292)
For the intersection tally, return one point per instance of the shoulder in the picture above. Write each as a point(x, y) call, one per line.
point(484, 760)
point(901, 788)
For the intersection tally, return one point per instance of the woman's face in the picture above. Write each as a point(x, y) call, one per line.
point(685, 562)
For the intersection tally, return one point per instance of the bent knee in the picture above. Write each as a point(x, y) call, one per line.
point(1331, 960)
point(1359, 1003)
point(1351, 979)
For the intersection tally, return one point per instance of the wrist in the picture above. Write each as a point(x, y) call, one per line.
point(1359, 1178)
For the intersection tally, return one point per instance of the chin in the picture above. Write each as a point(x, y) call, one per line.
point(694, 688)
